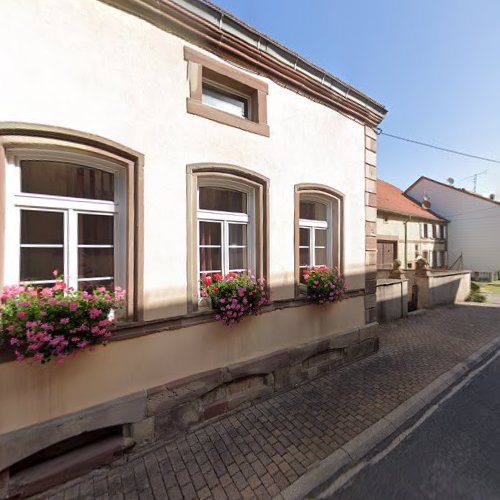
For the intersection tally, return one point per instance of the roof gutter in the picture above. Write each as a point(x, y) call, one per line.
point(217, 30)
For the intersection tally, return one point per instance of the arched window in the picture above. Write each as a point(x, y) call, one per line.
point(228, 209)
point(318, 227)
point(66, 211)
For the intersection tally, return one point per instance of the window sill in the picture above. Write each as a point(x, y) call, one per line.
point(196, 107)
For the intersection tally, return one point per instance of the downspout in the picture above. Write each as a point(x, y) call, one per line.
point(406, 242)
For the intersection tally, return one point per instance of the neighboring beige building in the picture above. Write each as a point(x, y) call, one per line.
point(407, 231)
point(178, 122)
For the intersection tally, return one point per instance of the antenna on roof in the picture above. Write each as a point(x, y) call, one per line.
point(474, 178)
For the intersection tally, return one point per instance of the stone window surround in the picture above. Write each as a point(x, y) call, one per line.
point(335, 200)
point(260, 187)
point(19, 136)
point(201, 66)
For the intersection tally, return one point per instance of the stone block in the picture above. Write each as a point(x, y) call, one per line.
point(371, 272)
point(370, 172)
point(143, 431)
point(298, 354)
point(371, 200)
point(371, 214)
point(369, 132)
point(370, 158)
point(363, 349)
point(371, 257)
point(370, 301)
point(370, 315)
point(370, 143)
point(371, 186)
point(371, 228)
point(288, 377)
point(4, 483)
point(345, 339)
point(371, 243)
point(371, 286)
point(215, 410)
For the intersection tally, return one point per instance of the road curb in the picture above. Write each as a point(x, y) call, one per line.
point(353, 451)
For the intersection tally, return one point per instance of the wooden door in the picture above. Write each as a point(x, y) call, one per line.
point(386, 253)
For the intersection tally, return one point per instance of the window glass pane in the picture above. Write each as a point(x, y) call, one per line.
point(66, 179)
point(312, 210)
point(42, 227)
point(95, 229)
point(238, 234)
point(210, 233)
point(237, 259)
point(95, 262)
point(304, 257)
point(224, 100)
point(224, 200)
point(304, 236)
point(320, 237)
point(210, 259)
point(320, 257)
point(90, 286)
point(38, 263)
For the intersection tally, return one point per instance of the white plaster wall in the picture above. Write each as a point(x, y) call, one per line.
point(88, 66)
point(473, 229)
point(84, 65)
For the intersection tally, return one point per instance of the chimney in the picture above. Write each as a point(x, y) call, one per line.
point(492, 196)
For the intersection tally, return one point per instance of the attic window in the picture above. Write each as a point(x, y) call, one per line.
point(225, 94)
point(225, 100)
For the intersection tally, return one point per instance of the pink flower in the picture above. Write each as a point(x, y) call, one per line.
point(38, 356)
point(94, 313)
point(10, 328)
point(64, 321)
point(23, 303)
point(21, 314)
point(14, 341)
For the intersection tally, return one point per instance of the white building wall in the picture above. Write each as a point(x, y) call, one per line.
point(85, 65)
point(474, 227)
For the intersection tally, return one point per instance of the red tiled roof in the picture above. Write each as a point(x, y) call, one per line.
point(392, 199)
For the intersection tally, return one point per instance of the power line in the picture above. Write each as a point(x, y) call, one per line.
point(379, 131)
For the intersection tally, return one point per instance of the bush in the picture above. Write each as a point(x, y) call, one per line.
point(324, 285)
point(40, 324)
point(475, 287)
point(475, 297)
point(234, 296)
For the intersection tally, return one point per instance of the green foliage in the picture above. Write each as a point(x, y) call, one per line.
point(475, 297)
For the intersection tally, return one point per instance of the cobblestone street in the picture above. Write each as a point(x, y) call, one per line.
point(258, 451)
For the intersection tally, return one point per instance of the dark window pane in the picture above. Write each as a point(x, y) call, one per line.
point(90, 286)
point(66, 179)
point(95, 262)
point(38, 263)
point(95, 229)
point(210, 233)
point(304, 236)
point(320, 257)
point(223, 200)
point(42, 227)
point(320, 237)
point(238, 234)
point(237, 258)
point(210, 259)
point(312, 210)
point(304, 257)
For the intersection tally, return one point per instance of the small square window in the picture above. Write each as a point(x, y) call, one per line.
point(225, 100)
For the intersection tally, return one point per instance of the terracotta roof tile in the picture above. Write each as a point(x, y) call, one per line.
point(392, 199)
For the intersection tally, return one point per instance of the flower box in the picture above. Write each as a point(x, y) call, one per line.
point(323, 285)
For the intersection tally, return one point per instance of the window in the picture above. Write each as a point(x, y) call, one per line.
point(227, 210)
point(66, 212)
point(225, 229)
point(224, 94)
point(225, 100)
point(319, 228)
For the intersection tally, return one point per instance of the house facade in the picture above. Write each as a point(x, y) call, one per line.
point(406, 231)
point(473, 241)
point(145, 145)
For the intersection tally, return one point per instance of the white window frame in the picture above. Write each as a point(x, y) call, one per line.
point(312, 225)
point(16, 201)
point(226, 218)
point(223, 100)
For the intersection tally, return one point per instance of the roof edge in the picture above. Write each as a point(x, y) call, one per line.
point(459, 190)
point(209, 26)
point(413, 216)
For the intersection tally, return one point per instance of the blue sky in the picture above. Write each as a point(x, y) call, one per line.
point(435, 65)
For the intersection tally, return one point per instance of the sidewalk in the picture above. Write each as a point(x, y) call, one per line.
point(260, 450)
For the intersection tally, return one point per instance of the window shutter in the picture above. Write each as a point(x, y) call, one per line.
point(429, 231)
point(421, 230)
point(445, 231)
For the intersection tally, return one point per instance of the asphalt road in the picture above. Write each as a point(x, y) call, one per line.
point(454, 454)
